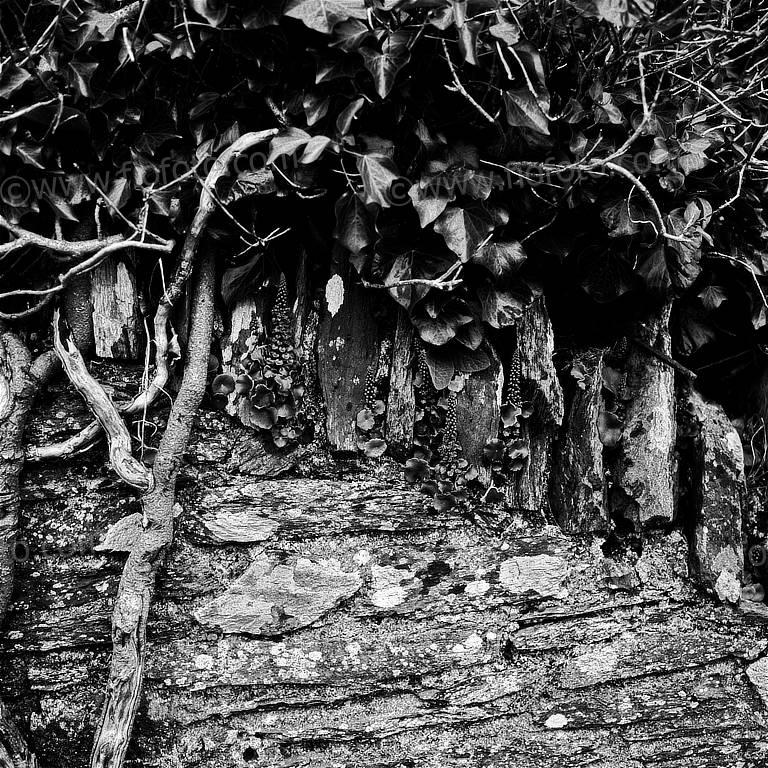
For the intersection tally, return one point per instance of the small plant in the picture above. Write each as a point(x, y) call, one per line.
point(369, 422)
point(269, 390)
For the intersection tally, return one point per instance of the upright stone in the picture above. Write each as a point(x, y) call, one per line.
point(117, 324)
point(715, 486)
point(643, 490)
point(401, 402)
point(541, 386)
point(346, 347)
point(478, 407)
point(577, 493)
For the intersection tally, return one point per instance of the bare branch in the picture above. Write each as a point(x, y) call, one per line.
point(662, 229)
point(25, 237)
point(129, 620)
point(66, 449)
point(90, 264)
point(186, 263)
point(127, 467)
point(462, 90)
point(25, 110)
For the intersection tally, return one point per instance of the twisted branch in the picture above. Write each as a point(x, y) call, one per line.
point(129, 620)
point(127, 467)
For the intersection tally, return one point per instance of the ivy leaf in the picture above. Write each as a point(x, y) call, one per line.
point(315, 107)
point(31, 154)
point(80, 76)
point(660, 152)
point(213, 11)
point(62, 208)
point(464, 229)
point(95, 25)
point(119, 192)
point(427, 205)
point(401, 269)
point(204, 103)
point(377, 172)
point(687, 251)
point(250, 184)
point(712, 297)
point(323, 15)
point(265, 14)
point(354, 228)
point(691, 161)
point(470, 360)
point(385, 65)
point(12, 80)
point(288, 142)
point(440, 321)
point(523, 111)
point(654, 271)
point(500, 308)
point(624, 217)
point(236, 281)
point(694, 332)
point(506, 32)
point(500, 259)
point(348, 35)
point(347, 115)
point(314, 148)
point(470, 335)
point(616, 12)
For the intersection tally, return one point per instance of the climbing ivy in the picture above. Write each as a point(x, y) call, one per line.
point(463, 154)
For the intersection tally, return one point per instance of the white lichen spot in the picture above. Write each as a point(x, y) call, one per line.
point(473, 642)
point(388, 597)
point(727, 587)
point(362, 557)
point(557, 720)
point(475, 588)
point(204, 661)
point(386, 582)
point(334, 294)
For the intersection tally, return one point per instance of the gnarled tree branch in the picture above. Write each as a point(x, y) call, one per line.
point(25, 237)
point(186, 264)
point(20, 380)
point(98, 401)
point(129, 620)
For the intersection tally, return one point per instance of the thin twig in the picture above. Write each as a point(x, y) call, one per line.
point(462, 90)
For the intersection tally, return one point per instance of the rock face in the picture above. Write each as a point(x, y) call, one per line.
point(118, 331)
point(346, 346)
point(326, 617)
point(478, 406)
point(716, 482)
point(643, 488)
point(401, 402)
point(541, 386)
point(577, 493)
point(273, 598)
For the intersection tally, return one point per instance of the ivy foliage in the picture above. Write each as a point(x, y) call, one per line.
point(462, 152)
